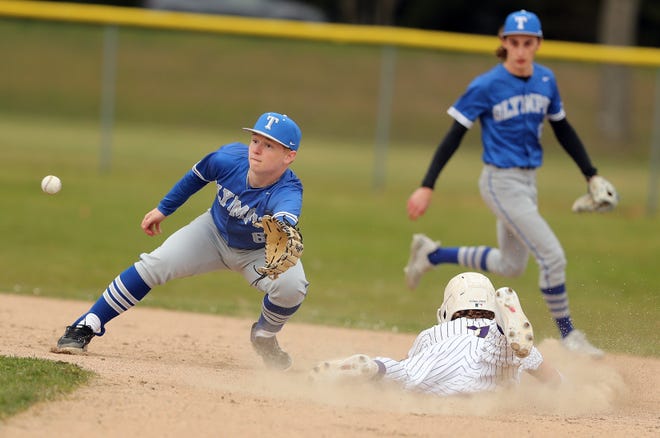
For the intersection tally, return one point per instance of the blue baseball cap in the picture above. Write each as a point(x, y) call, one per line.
point(522, 23)
point(278, 127)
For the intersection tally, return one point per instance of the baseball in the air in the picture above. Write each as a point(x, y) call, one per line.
point(51, 184)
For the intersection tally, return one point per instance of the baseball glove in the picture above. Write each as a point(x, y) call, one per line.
point(284, 246)
point(601, 197)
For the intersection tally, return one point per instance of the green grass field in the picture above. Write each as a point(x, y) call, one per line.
point(182, 95)
point(25, 381)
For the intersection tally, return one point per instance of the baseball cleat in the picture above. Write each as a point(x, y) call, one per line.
point(356, 367)
point(269, 350)
point(576, 341)
point(515, 325)
point(74, 340)
point(419, 263)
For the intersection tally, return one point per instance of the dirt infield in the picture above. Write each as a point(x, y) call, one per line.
point(171, 374)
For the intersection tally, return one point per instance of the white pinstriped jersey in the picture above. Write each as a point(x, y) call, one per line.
point(460, 356)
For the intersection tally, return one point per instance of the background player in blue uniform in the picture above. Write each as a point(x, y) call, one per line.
point(511, 102)
point(251, 181)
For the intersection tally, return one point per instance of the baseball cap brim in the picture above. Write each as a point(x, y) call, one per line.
point(519, 32)
point(256, 131)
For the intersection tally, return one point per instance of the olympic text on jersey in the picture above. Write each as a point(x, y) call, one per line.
point(521, 104)
point(236, 208)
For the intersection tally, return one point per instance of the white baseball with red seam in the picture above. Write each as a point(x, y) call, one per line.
point(51, 184)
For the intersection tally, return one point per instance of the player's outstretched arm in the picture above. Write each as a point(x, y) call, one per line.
point(421, 198)
point(151, 222)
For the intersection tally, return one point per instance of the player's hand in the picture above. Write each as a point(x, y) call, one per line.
point(418, 202)
point(151, 222)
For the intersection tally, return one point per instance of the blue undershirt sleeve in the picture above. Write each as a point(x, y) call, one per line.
point(443, 153)
point(179, 194)
point(572, 144)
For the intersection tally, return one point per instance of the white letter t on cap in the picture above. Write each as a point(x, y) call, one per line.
point(271, 119)
point(521, 20)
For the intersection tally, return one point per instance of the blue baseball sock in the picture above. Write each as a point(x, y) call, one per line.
point(473, 257)
point(444, 255)
point(127, 289)
point(556, 299)
point(273, 317)
point(565, 325)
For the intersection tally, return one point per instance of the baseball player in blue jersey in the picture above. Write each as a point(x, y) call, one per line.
point(511, 101)
point(483, 341)
point(252, 181)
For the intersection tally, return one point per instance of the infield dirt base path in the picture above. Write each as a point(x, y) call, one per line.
point(172, 374)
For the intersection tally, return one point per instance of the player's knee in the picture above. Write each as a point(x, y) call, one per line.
point(510, 270)
point(151, 271)
point(287, 299)
point(288, 293)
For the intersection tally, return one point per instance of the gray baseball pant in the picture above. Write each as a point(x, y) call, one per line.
point(198, 248)
point(512, 195)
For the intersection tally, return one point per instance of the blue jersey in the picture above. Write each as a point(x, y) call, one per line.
point(511, 111)
point(237, 206)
